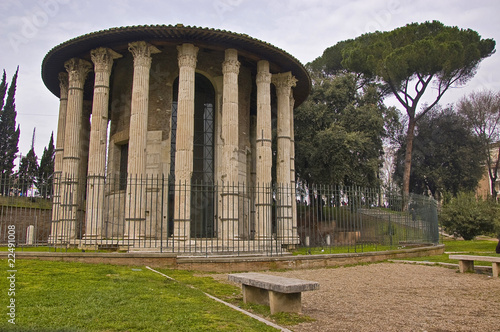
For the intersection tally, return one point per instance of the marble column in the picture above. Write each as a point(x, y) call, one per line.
point(230, 148)
point(103, 62)
point(284, 83)
point(293, 184)
point(187, 57)
point(264, 153)
point(55, 231)
point(70, 183)
point(135, 206)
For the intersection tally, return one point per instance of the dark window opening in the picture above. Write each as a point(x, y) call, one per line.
point(123, 166)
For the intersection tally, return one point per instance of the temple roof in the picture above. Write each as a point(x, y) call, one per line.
point(117, 39)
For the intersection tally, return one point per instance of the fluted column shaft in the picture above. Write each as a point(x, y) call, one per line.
point(230, 70)
point(61, 124)
point(284, 82)
point(293, 184)
point(139, 107)
point(77, 73)
point(264, 151)
point(70, 182)
point(230, 149)
point(58, 157)
point(136, 187)
point(103, 62)
point(187, 57)
point(292, 143)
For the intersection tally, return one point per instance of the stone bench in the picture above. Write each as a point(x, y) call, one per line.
point(279, 293)
point(466, 262)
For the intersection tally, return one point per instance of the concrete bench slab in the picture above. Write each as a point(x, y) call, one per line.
point(466, 262)
point(279, 293)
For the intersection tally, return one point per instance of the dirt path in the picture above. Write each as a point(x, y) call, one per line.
point(398, 297)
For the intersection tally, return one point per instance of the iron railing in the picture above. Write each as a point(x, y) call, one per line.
point(155, 213)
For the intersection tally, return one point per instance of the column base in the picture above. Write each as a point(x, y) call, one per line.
point(134, 229)
point(182, 230)
point(91, 239)
point(55, 239)
point(58, 241)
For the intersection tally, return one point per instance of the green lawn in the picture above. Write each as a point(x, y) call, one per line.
point(231, 294)
point(475, 247)
point(26, 202)
point(63, 296)
point(42, 249)
point(343, 249)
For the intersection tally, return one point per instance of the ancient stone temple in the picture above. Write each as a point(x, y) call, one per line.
point(165, 138)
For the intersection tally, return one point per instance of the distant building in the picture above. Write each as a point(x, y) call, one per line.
point(485, 188)
point(198, 105)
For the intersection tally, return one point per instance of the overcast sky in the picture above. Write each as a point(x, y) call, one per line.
point(303, 28)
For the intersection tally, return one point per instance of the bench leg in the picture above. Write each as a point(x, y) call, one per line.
point(255, 295)
point(285, 302)
point(466, 266)
point(495, 267)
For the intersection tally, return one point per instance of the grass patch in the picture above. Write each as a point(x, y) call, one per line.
point(233, 295)
point(342, 249)
point(475, 247)
point(470, 247)
point(26, 202)
point(43, 249)
point(66, 296)
point(288, 318)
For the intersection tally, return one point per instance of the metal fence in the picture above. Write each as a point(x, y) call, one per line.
point(353, 217)
point(156, 214)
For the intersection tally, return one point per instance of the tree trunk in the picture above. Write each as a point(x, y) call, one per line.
point(494, 193)
point(493, 176)
point(409, 149)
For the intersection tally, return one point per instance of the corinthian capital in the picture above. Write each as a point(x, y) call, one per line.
point(263, 77)
point(284, 80)
point(63, 85)
point(263, 74)
point(77, 71)
point(142, 52)
point(187, 54)
point(103, 59)
point(231, 64)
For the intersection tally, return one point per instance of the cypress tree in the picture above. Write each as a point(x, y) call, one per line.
point(3, 89)
point(9, 134)
point(46, 169)
point(28, 170)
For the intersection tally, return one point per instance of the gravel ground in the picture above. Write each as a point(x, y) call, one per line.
point(398, 297)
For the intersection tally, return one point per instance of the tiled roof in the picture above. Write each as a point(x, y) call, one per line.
point(118, 39)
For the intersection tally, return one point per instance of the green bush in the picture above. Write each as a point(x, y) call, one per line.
point(468, 216)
